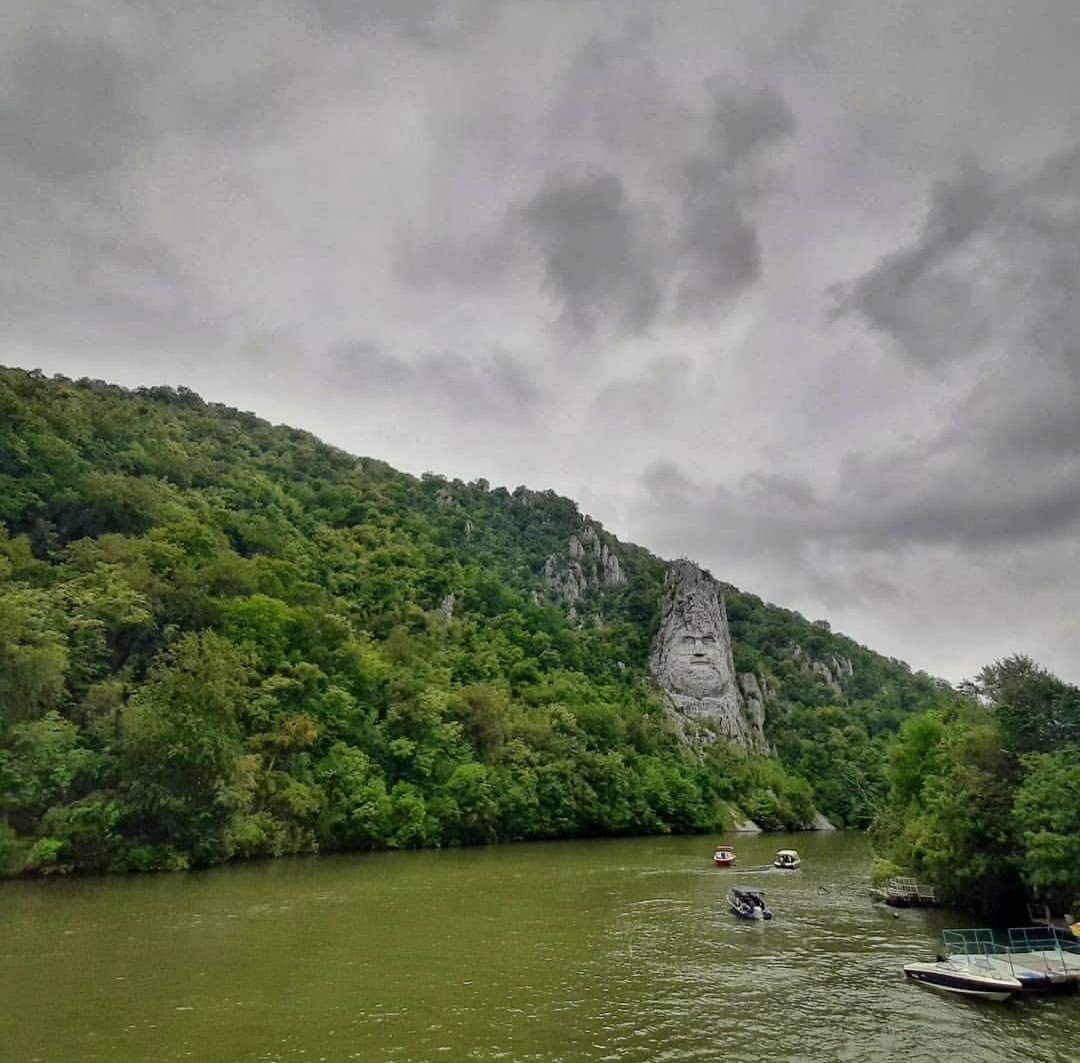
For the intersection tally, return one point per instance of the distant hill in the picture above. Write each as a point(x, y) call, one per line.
point(222, 638)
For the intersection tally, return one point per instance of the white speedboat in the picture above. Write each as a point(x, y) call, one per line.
point(958, 976)
point(786, 859)
point(975, 965)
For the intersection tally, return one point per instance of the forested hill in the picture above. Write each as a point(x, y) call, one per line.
point(221, 638)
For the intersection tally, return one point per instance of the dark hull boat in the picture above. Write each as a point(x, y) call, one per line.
point(975, 965)
point(960, 978)
point(748, 904)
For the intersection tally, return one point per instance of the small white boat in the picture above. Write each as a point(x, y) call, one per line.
point(787, 859)
point(957, 976)
point(974, 964)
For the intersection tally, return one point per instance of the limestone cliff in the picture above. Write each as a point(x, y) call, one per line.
point(589, 561)
point(834, 670)
point(692, 662)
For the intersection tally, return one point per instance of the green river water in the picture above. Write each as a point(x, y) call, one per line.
point(591, 950)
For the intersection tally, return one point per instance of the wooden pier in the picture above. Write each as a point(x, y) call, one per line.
point(903, 892)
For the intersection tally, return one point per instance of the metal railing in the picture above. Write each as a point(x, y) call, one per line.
point(1033, 950)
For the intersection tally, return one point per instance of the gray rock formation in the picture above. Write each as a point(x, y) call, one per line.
point(692, 663)
point(821, 823)
point(566, 581)
point(825, 672)
point(746, 826)
point(446, 607)
point(588, 561)
point(753, 700)
point(834, 670)
point(606, 564)
point(841, 667)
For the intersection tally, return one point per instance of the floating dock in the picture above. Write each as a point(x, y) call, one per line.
point(1046, 948)
point(904, 892)
point(1042, 959)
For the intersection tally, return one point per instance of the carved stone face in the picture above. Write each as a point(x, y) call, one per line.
point(696, 661)
point(692, 658)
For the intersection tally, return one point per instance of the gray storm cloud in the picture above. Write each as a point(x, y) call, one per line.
point(996, 264)
point(791, 289)
point(718, 240)
point(493, 386)
point(595, 260)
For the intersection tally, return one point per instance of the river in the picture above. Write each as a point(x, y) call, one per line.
point(612, 950)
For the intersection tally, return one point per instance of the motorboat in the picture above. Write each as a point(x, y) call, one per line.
point(957, 976)
point(748, 903)
point(724, 856)
point(975, 964)
point(787, 859)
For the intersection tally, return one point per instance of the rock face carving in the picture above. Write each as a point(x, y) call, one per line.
point(692, 662)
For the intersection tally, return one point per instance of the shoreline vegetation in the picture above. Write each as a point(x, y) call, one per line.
point(222, 639)
point(983, 799)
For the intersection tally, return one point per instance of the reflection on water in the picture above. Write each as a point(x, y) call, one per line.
point(600, 950)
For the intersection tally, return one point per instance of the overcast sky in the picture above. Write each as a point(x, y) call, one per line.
point(789, 288)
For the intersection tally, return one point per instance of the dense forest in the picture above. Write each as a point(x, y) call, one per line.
point(984, 797)
point(222, 639)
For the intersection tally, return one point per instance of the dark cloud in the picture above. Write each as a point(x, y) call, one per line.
point(746, 119)
point(967, 497)
point(650, 401)
point(427, 22)
point(991, 282)
point(493, 386)
point(595, 259)
point(70, 107)
point(475, 261)
point(599, 261)
point(718, 241)
point(615, 99)
point(74, 265)
point(996, 264)
point(86, 99)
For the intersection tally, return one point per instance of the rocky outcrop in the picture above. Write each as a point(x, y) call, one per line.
point(566, 581)
point(692, 662)
point(821, 823)
point(588, 562)
point(753, 700)
point(834, 670)
point(823, 670)
point(842, 667)
point(746, 826)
